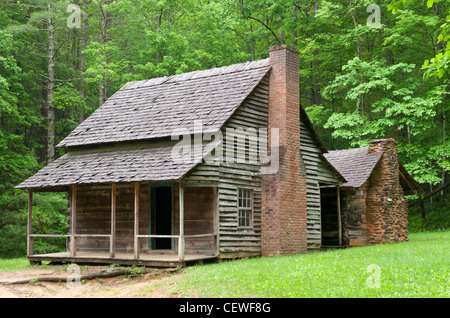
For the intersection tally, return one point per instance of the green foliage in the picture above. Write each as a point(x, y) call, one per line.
point(436, 217)
point(438, 65)
point(384, 106)
point(49, 217)
point(16, 160)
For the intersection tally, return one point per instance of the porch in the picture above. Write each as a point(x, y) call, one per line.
point(161, 224)
point(150, 260)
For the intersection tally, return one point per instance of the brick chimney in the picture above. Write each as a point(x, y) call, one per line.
point(386, 205)
point(283, 219)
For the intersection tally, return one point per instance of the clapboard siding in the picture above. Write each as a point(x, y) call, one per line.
point(317, 172)
point(228, 177)
point(253, 113)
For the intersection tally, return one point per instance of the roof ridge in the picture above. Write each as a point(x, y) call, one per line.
point(227, 69)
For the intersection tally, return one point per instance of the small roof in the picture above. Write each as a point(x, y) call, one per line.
point(157, 107)
point(144, 162)
point(355, 165)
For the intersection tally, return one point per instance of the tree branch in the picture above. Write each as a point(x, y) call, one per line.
point(267, 27)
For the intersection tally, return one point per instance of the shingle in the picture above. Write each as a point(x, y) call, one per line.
point(355, 165)
point(150, 163)
point(155, 108)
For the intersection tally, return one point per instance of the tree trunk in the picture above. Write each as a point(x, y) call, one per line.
point(102, 85)
point(83, 58)
point(50, 88)
point(360, 101)
point(422, 209)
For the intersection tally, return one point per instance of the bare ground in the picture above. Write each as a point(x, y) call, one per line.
point(157, 283)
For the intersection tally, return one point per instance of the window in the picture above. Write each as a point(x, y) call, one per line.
point(245, 207)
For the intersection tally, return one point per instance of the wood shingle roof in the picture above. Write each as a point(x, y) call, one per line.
point(155, 108)
point(145, 162)
point(355, 165)
point(144, 113)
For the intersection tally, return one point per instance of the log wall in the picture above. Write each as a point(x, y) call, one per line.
point(94, 217)
point(354, 216)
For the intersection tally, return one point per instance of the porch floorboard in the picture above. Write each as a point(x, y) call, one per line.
point(150, 260)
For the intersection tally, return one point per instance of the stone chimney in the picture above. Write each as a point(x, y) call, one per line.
point(283, 218)
point(386, 205)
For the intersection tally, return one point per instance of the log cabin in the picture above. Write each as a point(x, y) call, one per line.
point(373, 199)
point(206, 165)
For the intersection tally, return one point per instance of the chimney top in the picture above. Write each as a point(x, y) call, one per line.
point(377, 145)
point(383, 141)
point(283, 47)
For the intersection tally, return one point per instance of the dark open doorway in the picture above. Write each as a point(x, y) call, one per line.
point(330, 216)
point(161, 216)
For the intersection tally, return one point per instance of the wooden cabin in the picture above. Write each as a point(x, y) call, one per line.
point(374, 207)
point(157, 175)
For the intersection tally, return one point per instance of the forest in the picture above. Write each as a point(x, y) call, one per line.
point(368, 69)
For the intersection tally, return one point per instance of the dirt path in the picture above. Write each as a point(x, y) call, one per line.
point(158, 283)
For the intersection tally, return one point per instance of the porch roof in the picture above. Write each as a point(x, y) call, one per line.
point(149, 162)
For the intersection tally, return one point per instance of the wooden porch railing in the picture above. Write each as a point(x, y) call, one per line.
point(73, 236)
point(112, 251)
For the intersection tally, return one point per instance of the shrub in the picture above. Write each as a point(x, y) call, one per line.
point(49, 217)
point(437, 217)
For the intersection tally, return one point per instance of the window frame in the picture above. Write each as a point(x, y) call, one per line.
point(241, 208)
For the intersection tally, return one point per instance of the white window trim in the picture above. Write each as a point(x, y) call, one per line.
point(250, 209)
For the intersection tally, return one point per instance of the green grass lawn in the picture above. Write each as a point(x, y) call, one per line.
point(418, 268)
point(14, 264)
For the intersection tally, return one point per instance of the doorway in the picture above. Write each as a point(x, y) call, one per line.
point(161, 216)
point(330, 216)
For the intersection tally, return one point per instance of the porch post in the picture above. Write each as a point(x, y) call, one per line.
point(136, 220)
point(73, 242)
point(216, 221)
point(339, 214)
point(30, 211)
point(112, 247)
point(181, 237)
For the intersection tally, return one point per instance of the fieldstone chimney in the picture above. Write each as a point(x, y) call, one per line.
point(283, 218)
point(386, 205)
